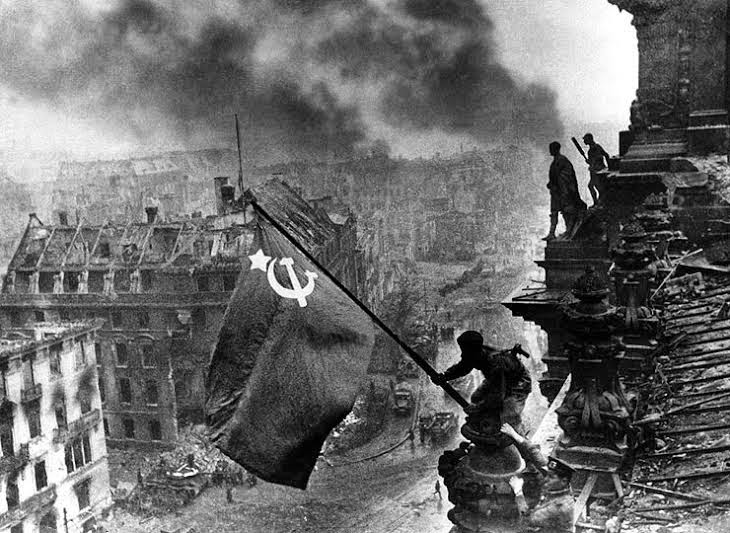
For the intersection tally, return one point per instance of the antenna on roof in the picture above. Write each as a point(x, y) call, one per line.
point(240, 163)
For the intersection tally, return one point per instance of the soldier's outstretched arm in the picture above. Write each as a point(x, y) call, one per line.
point(460, 369)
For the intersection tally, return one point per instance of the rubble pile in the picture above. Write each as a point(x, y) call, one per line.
point(362, 423)
point(194, 443)
point(718, 172)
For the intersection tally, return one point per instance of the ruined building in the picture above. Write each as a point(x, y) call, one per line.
point(161, 289)
point(53, 468)
point(177, 183)
point(425, 204)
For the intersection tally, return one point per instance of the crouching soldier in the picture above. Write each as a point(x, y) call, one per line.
point(504, 375)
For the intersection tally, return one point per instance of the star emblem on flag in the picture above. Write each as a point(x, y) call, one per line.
point(259, 260)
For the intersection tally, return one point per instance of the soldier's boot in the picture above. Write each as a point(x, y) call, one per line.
point(553, 226)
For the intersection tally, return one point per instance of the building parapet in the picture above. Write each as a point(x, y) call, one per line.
point(84, 423)
point(32, 393)
point(40, 301)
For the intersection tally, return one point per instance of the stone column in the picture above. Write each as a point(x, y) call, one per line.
point(595, 414)
point(683, 70)
point(633, 268)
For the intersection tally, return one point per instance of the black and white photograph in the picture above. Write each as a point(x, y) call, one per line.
point(364, 266)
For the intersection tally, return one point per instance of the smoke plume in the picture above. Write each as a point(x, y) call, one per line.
point(308, 78)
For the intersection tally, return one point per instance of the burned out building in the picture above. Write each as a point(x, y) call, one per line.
point(425, 204)
point(119, 190)
point(54, 474)
point(161, 289)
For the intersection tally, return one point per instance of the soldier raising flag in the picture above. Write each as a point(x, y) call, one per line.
point(290, 359)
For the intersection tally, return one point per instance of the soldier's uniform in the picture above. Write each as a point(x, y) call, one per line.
point(504, 375)
point(564, 195)
point(596, 155)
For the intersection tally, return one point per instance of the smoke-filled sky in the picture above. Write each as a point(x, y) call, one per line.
point(309, 78)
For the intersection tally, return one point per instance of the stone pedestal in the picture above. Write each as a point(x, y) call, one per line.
point(477, 475)
point(594, 415)
point(478, 484)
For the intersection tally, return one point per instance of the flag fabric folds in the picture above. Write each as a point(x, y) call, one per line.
point(291, 356)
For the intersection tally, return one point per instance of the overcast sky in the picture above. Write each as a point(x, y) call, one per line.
point(584, 49)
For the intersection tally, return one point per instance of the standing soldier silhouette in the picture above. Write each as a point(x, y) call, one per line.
point(596, 155)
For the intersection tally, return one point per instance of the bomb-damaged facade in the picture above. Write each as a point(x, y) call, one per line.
point(53, 467)
point(176, 183)
point(161, 289)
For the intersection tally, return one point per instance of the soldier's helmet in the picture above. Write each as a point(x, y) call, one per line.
point(470, 340)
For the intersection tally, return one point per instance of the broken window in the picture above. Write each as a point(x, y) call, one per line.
point(80, 354)
point(128, 424)
point(28, 377)
point(229, 283)
point(78, 453)
point(63, 314)
point(148, 356)
point(199, 318)
point(144, 319)
point(54, 355)
point(12, 496)
point(85, 403)
point(96, 281)
point(86, 446)
point(82, 494)
point(73, 281)
point(60, 410)
point(146, 280)
point(33, 414)
point(15, 319)
point(155, 430)
point(125, 390)
point(102, 388)
point(6, 437)
point(151, 392)
point(69, 458)
point(97, 352)
point(39, 316)
point(104, 249)
point(117, 321)
point(45, 282)
point(17, 528)
point(203, 284)
point(122, 357)
point(106, 428)
point(41, 479)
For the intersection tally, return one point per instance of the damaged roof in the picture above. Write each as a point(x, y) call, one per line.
point(17, 341)
point(190, 242)
point(689, 466)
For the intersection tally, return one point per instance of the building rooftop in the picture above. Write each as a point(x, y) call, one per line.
point(189, 242)
point(20, 340)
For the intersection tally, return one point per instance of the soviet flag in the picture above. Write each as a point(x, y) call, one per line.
point(291, 356)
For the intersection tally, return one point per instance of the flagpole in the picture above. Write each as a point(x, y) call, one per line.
point(420, 361)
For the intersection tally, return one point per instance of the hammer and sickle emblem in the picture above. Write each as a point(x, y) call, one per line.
point(297, 292)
